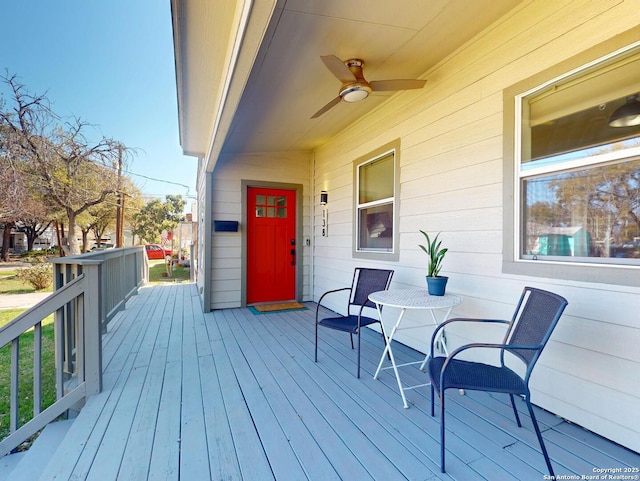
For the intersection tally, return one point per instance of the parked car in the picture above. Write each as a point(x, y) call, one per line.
point(156, 251)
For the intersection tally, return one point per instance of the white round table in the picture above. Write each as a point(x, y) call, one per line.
point(404, 299)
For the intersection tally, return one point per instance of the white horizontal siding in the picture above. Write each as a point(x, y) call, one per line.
point(226, 247)
point(452, 180)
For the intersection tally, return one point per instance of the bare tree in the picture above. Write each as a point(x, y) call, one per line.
point(7, 213)
point(34, 217)
point(12, 180)
point(69, 170)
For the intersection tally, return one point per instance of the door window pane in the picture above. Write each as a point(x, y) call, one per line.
point(271, 206)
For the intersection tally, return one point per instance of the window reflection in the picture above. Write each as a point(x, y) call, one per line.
point(376, 231)
point(592, 212)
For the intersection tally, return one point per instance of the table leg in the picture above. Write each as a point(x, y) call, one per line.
point(440, 336)
point(388, 349)
point(387, 345)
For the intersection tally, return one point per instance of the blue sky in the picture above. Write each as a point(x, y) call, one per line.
point(110, 63)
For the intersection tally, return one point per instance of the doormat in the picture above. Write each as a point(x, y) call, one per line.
point(280, 307)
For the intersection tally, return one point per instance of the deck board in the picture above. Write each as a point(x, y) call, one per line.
point(251, 457)
point(387, 403)
point(369, 433)
point(223, 460)
point(424, 424)
point(229, 395)
point(275, 442)
point(355, 441)
point(135, 462)
point(283, 400)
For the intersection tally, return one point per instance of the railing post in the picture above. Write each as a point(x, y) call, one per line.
point(92, 342)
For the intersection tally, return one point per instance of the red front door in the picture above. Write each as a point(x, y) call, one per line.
point(271, 245)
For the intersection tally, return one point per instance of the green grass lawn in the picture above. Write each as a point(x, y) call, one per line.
point(158, 268)
point(25, 384)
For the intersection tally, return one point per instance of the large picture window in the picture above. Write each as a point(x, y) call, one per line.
point(375, 209)
point(578, 165)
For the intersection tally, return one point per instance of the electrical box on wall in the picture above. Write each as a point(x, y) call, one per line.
point(225, 225)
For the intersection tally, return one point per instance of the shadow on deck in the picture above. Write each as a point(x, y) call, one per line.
point(232, 395)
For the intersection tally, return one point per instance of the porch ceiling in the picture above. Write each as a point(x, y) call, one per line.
point(277, 80)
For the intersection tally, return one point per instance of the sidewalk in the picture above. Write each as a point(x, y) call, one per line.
point(21, 301)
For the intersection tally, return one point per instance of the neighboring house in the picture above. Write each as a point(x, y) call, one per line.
point(512, 126)
point(17, 241)
point(558, 241)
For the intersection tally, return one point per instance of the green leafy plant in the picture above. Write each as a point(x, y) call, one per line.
point(40, 276)
point(435, 253)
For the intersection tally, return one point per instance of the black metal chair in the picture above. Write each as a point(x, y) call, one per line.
point(529, 330)
point(365, 281)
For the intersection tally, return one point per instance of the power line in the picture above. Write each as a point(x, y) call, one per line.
point(156, 180)
point(129, 172)
point(187, 194)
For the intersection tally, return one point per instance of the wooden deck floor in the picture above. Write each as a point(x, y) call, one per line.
point(230, 395)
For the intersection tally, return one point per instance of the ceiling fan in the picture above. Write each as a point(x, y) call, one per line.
point(354, 86)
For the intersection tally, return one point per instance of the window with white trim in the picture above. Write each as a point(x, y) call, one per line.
point(577, 186)
point(375, 203)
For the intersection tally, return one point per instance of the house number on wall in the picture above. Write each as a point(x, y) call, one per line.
point(325, 223)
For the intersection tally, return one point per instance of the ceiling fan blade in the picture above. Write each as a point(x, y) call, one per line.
point(338, 68)
point(382, 85)
point(329, 106)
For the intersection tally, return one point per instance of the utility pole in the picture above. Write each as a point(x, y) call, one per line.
point(122, 199)
point(119, 209)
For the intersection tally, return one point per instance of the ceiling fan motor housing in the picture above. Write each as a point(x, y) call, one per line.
point(360, 88)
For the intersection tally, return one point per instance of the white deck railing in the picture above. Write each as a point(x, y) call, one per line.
point(89, 290)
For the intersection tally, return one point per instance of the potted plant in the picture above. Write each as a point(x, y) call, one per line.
point(436, 283)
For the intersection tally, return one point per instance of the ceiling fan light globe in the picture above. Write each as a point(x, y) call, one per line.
point(628, 115)
point(355, 93)
point(626, 121)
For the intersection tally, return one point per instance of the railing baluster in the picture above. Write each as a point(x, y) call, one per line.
point(37, 369)
point(15, 379)
point(80, 352)
point(58, 335)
